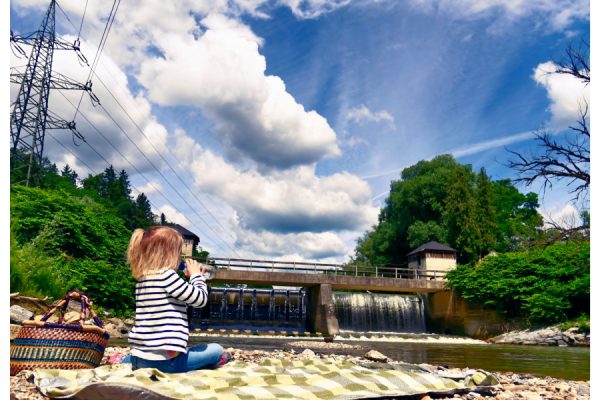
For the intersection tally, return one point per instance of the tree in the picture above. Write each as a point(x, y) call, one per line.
point(446, 201)
point(558, 161)
point(460, 218)
point(67, 172)
point(485, 214)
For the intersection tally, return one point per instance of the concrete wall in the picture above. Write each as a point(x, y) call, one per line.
point(188, 245)
point(439, 264)
point(320, 313)
point(448, 313)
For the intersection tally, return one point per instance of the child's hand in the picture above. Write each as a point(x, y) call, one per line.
point(193, 267)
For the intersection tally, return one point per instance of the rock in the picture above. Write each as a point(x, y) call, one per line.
point(473, 395)
point(530, 396)
point(116, 328)
point(71, 317)
point(74, 305)
point(53, 318)
point(129, 321)
point(19, 314)
point(14, 330)
point(516, 388)
point(308, 354)
point(374, 355)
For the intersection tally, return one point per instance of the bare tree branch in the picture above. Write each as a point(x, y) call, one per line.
point(576, 62)
point(558, 161)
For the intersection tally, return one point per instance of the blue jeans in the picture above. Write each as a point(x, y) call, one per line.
point(197, 357)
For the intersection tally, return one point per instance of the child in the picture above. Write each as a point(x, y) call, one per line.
point(160, 334)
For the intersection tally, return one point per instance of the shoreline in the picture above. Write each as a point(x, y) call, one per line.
point(510, 385)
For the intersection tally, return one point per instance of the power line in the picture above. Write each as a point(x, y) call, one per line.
point(165, 179)
point(82, 18)
point(103, 39)
point(142, 174)
point(161, 156)
point(86, 165)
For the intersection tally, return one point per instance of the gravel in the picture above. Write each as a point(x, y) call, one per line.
point(512, 386)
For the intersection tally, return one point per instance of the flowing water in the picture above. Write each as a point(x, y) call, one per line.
point(370, 312)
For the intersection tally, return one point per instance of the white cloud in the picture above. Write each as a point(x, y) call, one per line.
point(148, 188)
point(289, 201)
point(223, 73)
point(313, 8)
point(120, 136)
point(555, 14)
point(565, 216)
point(567, 95)
point(304, 246)
point(172, 215)
point(362, 113)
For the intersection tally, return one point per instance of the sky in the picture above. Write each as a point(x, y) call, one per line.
point(272, 129)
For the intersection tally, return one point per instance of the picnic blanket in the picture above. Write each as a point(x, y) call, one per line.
point(270, 379)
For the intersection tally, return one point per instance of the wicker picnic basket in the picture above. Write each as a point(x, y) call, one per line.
point(41, 344)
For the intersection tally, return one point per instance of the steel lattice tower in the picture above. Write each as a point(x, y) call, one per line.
point(29, 117)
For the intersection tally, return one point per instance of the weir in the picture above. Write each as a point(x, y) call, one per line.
point(287, 310)
point(319, 281)
point(379, 312)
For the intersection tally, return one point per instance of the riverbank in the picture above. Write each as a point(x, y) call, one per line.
point(509, 385)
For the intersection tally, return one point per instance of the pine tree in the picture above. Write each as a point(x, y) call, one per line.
point(485, 214)
point(67, 172)
point(460, 216)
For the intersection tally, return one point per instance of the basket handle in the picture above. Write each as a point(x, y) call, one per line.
point(86, 307)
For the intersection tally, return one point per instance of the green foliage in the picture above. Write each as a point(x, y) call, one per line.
point(445, 201)
point(582, 323)
point(34, 273)
point(422, 232)
point(107, 284)
point(62, 242)
point(543, 285)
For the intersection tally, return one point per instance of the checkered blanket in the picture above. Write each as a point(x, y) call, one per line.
point(271, 379)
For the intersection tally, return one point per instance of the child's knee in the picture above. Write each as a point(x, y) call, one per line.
point(215, 347)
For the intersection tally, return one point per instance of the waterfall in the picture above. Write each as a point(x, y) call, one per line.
point(375, 312)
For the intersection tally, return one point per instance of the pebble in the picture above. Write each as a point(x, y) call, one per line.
point(511, 386)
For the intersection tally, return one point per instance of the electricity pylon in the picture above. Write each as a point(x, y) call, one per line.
point(29, 117)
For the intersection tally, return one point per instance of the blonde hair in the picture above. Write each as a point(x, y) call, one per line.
point(154, 250)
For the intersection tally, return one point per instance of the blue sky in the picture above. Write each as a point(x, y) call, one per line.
point(273, 129)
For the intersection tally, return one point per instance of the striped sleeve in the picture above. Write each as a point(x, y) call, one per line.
point(193, 293)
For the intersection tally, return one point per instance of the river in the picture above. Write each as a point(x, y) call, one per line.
point(571, 363)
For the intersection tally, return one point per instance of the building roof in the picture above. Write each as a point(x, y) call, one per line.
point(184, 232)
point(433, 245)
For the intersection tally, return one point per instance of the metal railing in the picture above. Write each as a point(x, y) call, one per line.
point(372, 271)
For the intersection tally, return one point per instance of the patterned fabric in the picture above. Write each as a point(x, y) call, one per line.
point(161, 314)
point(271, 379)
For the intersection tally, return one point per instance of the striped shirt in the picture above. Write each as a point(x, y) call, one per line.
point(161, 323)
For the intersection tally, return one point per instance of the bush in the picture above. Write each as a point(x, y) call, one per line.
point(543, 285)
point(34, 273)
point(60, 241)
point(111, 286)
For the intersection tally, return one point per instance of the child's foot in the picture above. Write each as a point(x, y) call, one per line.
point(116, 358)
point(225, 358)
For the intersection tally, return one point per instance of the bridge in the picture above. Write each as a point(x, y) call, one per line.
point(339, 276)
point(320, 279)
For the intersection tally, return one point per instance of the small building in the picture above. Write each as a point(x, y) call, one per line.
point(190, 239)
point(432, 256)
